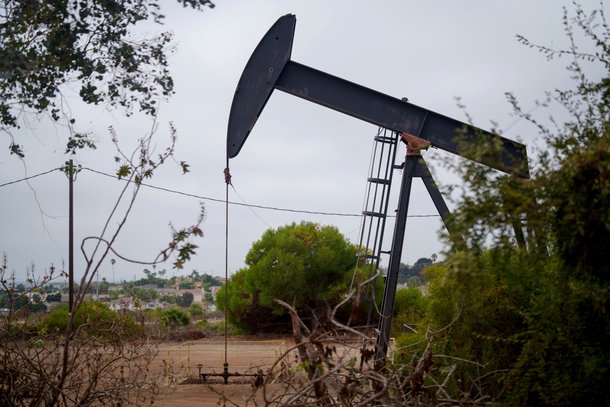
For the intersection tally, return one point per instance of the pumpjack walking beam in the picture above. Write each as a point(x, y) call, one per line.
point(270, 67)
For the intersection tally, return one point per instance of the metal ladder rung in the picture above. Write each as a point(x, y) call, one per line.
point(374, 214)
point(379, 181)
point(367, 256)
point(388, 140)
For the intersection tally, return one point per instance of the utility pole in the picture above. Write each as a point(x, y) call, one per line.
point(70, 171)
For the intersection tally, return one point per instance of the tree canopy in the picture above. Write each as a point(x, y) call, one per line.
point(89, 44)
point(412, 275)
point(527, 304)
point(303, 264)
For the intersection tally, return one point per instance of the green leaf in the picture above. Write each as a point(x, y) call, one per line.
point(197, 231)
point(123, 171)
point(16, 150)
point(185, 167)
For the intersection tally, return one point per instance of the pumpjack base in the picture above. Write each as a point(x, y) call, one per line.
point(242, 378)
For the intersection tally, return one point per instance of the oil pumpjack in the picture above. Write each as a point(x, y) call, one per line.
point(270, 68)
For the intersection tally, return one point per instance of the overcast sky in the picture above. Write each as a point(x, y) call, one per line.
point(299, 155)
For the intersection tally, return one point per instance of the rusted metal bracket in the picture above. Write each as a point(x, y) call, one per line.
point(415, 145)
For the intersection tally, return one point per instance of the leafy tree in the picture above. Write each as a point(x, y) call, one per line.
point(104, 286)
point(45, 45)
point(174, 317)
point(185, 285)
point(195, 275)
point(21, 302)
point(69, 350)
point(210, 280)
point(143, 294)
point(413, 274)
point(244, 309)
point(410, 310)
point(302, 264)
point(151, 278)
point(48, 288)
point(54, 297)
point(409, 305)
point(150, 275)
point(205, 278)
point(37, 307)
point(531, 313)
point(185, 300)
point(170, 299)
point(563, 361)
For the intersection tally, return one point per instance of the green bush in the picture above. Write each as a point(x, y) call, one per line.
point(204, 325)
point(196, 310)
point(409, 308)
point(92, 318)
point(174, 317)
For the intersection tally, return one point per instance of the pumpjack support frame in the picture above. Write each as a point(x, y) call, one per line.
point(270, 67)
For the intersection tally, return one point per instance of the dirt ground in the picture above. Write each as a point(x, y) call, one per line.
point(178, 362)
point(212, 395)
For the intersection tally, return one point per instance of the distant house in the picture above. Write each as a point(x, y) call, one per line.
point(156, 304)
point(148, 286)
point(214, 290)
point(171, 292)
point(127, 304)
point(198, 293)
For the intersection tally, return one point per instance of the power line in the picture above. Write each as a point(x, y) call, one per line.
point(251, 210)
point(28, 178)
point(271, 208)
point(207, 198)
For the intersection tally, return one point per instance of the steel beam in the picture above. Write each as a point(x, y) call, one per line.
point(391, 280)
point(270, 68)
point(424, 173)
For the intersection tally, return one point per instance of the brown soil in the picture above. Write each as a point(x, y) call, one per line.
point(213, 395)
point(178, 363)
